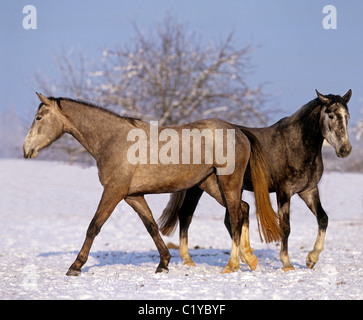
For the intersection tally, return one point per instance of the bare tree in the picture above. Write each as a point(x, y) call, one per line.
point(168, 75)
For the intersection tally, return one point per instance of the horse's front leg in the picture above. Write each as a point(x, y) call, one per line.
point(110, 198)
point(283, 202)
point(139, 204)
point(312, 200)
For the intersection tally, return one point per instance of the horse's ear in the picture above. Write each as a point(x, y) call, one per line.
point(322, 98)
point(43, 99)
point(347, 96)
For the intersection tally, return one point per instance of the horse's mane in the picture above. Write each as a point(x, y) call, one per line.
point(306, 110)
point(315, 106)
point(91, 105)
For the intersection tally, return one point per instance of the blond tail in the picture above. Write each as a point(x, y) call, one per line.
point(269, 225)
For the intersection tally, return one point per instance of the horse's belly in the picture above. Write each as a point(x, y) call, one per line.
point(168, 178)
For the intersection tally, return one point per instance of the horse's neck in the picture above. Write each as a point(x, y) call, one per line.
point(92, 127)
point(309, 127)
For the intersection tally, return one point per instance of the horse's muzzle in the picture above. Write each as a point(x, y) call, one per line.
point(344, 151)
point(29, 153)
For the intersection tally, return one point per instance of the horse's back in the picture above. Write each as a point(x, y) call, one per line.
point(176, 157)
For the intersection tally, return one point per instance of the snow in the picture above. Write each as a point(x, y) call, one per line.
point(45, 208)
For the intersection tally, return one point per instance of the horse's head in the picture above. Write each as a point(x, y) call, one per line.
point(46, 128)
point(334, 119)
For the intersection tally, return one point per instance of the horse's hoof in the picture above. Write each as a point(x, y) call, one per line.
point(229, 269)
point(162, 270)
point(310, 264)
point(253, 263)
point(242, 256)
point(288, 268)
point(74, 273)
point(189, 264)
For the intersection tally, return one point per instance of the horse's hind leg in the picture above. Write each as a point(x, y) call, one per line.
point(185, 215)
point(110, 198)
point(246, 251)
point(312, 200)
point(250, 260)
point(139, 204)
point(226, 194)
point(232, 200)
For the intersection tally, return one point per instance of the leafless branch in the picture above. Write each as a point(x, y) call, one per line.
point(169, 75)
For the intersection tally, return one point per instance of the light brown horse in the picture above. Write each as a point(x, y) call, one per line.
point(135, 158)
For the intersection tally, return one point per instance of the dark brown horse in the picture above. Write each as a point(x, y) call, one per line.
point(292, 147)
point(135, 158)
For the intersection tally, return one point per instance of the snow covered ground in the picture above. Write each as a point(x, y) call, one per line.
point(45, 208)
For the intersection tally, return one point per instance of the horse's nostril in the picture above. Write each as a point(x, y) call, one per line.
point(345, 150)
point(349, 150)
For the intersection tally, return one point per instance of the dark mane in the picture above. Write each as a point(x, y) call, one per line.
point(302, 115)
point(337, 99)
point(315, 106)
point(306, 110)
point(91, 105)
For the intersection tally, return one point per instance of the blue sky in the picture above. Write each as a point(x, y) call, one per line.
point(296, 54)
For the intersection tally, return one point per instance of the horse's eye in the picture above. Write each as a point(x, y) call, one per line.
point(38, 118)
point(331, 116)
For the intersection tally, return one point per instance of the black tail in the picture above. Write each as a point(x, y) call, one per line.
point(169, 218)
